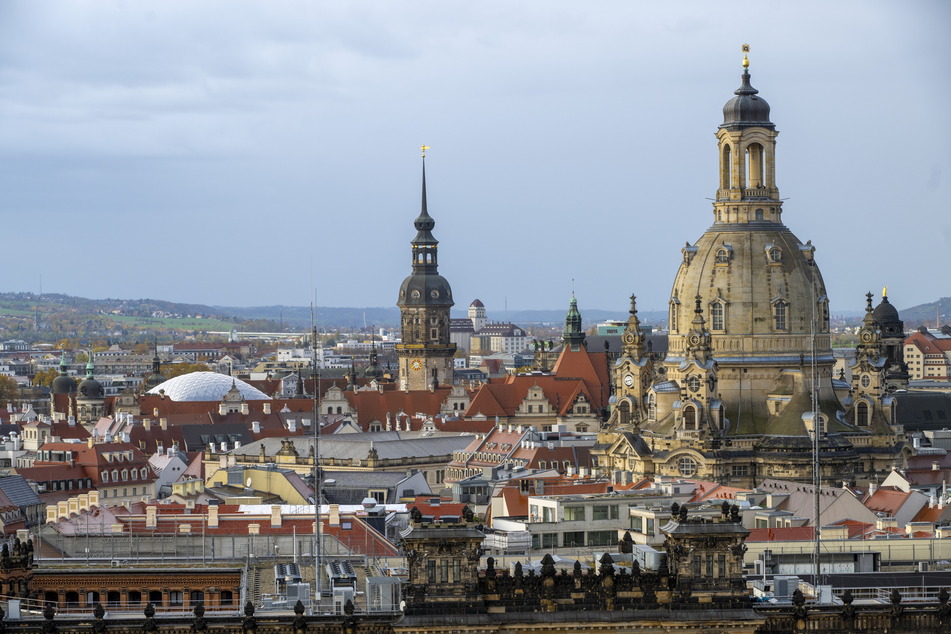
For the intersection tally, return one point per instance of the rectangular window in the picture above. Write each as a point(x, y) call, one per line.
point(431, 570)
point(696, 566)
point(606, 512)
point(536, 541)
point(444, 571)
point(637, 523)
point(574, 513)
point(547, 514)
point(709, 566)
point(573, 538)
point(602, 538)
point(721, 563)
point(650, 526)
point(456, 571)
point(549, 540)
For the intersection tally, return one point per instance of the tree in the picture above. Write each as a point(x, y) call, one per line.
point(45, 377)
point(172, 370)
point(9, 389)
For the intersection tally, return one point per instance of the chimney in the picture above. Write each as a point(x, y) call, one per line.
point(159, 447)
point(51, 515)
point(62, 509)
point(84, 502)
point(872, 486)
point(89, 442)
point(267, 407)
point(244, 408)
point(71, 421)
point(147, 424)
point(275, 516)
point(150, 517)
point(212, 516)
point(583, 472)
point(93, 498)
point(163, 423)
point(334, 515)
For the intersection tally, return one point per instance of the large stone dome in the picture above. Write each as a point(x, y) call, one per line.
point(206, 386)
point(760, 290)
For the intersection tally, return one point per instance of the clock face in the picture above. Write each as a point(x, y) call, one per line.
point(693, 382)
point(628, 380)
point(416, 364)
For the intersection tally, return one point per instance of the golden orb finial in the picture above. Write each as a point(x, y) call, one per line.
point(423, 148)
point(746, 60)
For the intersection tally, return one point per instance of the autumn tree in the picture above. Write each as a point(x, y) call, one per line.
point(172, 370)
point(9, 389)
point(45, 377)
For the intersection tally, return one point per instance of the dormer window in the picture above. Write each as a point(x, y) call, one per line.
point(723, 256)
point(774, 255)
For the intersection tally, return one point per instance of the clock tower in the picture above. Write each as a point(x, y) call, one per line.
point(633, 373)
point(425, 352)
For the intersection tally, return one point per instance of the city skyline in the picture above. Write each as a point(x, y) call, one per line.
point(241, 158)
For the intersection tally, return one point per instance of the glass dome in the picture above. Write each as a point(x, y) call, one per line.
point(206, 386)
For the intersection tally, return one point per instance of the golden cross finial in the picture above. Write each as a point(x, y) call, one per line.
point(746, 60)
point(423, 148)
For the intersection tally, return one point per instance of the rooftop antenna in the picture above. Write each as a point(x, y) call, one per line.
point(318, 480)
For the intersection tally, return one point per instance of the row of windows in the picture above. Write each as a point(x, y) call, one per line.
point(114, 597)
point(123, 476)
point(718, 315)
point(774, 255)
point(570, 539)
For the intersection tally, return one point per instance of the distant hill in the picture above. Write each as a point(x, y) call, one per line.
point(927, 314)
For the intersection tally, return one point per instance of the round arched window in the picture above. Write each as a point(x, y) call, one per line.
point(687, 466)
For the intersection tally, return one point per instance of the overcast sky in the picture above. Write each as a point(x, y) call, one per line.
point(247, 153)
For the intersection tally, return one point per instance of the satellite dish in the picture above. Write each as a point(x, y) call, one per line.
point(248, 483)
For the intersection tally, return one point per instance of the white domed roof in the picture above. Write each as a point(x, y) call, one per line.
point(206, 386)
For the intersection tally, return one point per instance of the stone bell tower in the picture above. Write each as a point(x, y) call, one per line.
point(425, 353)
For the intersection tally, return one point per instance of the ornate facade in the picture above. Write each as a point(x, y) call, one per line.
point(749, 352)
point(426, 352)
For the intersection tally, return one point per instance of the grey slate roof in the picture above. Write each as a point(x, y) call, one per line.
point(350, 446)
point(19, 492)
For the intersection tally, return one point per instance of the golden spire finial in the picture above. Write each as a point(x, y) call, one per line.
point(884, 291)
point(423, 148)
point(746, 60)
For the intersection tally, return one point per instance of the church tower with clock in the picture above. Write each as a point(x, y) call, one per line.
point(425, 352)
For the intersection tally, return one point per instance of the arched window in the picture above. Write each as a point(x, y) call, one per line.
point(861, 414)
point(690, 418)
point(155, 597)
point(115, 475)
point(780, 310)
point(652, 406)
point(195, 597)
point(726, 168)
point(145, 473)
point(717, 316)
point(226, 597)
point(105, 476)
point(175, 597)
point(759, 214)
point(125, 475)
point(723, 256)
point(775, 255)
point(112, 599)
point(754, 165)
